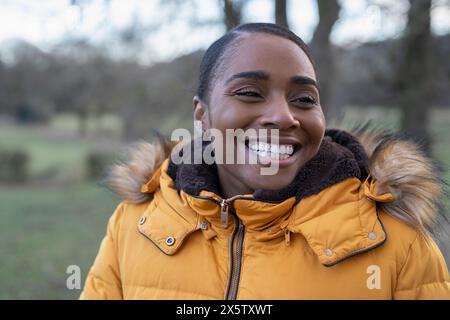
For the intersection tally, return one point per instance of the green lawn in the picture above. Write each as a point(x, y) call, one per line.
point(56, 220)
point(46, 229)
point(50, 224)
point(57, 152)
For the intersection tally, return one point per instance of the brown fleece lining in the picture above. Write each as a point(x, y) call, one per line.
point(340, 156)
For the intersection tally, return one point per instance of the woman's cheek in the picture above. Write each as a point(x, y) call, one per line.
point(231, 116)
point(314, 125)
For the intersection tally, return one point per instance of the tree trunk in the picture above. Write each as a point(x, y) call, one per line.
point(281, 13)
point(322, 50)
point(415, 72)
point(232, 13)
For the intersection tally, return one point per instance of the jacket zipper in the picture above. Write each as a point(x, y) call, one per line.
point(237, 258)
point(236, 243)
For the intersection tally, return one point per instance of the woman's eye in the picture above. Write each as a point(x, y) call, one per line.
point(248, 93)
point(306, 100)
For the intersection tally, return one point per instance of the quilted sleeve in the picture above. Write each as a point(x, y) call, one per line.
point(424, 275)
point(103, 280)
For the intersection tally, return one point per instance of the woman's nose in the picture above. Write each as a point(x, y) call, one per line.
point(279, 115)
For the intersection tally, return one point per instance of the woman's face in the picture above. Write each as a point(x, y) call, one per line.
point(266, 82)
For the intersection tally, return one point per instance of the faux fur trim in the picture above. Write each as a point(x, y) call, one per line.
point(401, 167)
point(397, 165)
point(142, 159)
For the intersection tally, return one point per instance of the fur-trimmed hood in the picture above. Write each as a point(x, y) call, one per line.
point(395, 165)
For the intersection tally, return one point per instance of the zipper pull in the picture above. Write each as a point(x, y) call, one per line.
point(223, 214)
point(287, 236)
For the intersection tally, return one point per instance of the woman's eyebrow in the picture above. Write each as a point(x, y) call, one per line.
point(254, 75)
point(302, 80)
point(262, 75)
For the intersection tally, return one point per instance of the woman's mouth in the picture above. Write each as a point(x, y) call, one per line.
point(269, 151)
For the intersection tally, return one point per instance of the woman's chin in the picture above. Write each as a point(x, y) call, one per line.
point(282, 179)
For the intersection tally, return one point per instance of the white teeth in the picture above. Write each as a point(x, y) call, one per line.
point(275, 148)
point(274, 151)
point(290, 149)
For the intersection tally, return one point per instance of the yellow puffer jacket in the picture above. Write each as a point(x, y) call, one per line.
point(353, 225)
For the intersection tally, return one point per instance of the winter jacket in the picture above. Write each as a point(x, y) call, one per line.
point(354, 224)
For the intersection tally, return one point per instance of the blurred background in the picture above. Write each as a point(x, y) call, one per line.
point(79, 79)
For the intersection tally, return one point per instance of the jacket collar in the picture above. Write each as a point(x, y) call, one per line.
point(346, 213)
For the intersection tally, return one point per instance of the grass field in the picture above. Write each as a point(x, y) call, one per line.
point(43, 231)
point(56, 220)
point(52, 223)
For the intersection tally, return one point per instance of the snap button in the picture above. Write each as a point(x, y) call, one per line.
point(142, 220)
point(372, 236)
point(204, 225)
point(328, 252)
point(170, 241)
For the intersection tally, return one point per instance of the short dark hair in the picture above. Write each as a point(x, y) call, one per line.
point(214, 55)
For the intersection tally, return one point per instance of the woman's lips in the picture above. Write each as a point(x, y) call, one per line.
point(267, 154)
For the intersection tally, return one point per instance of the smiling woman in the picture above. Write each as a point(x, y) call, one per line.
point(346, 216)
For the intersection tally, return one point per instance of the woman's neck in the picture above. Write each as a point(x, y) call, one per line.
point(230, 185)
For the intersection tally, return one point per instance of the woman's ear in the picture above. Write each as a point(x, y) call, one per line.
point(200, 112)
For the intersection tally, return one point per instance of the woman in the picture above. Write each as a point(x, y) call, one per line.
point(345, 216)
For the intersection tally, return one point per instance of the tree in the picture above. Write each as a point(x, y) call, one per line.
point(415, 72)
point(232, 13)
point(281, 13)
point(323, 52)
